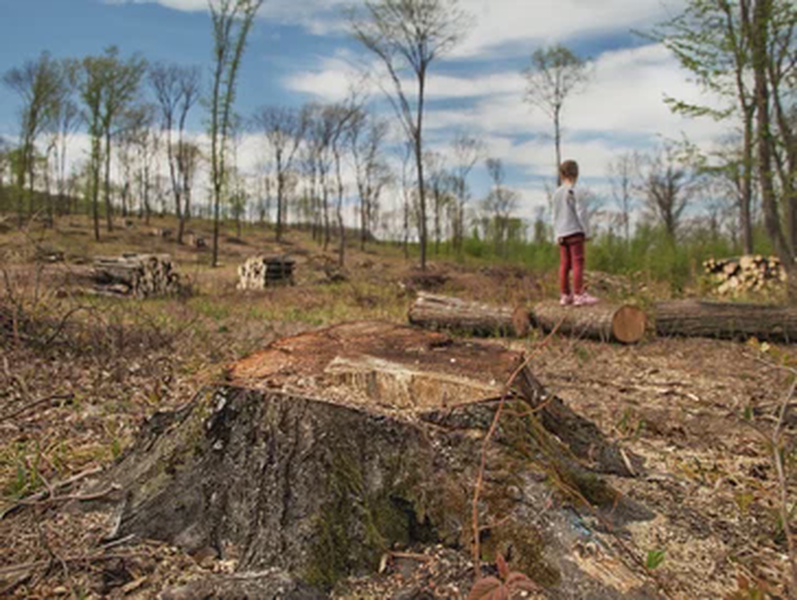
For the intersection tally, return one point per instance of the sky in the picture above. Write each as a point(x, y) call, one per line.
point(300, 51)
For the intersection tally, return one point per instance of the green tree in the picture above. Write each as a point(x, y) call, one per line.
point(108, 87)
point(409, 35)
point(39, 83)
point(771, 28)
point(232, 21)
point(710, 40)
point(554, 74)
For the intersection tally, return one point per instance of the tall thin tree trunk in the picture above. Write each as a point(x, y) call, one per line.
point(557, 134)
point(107, 183)
point(746, 196)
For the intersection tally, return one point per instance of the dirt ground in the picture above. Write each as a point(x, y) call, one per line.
point(79, 374)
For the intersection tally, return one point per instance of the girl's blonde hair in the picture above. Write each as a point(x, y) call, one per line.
point(569, 169)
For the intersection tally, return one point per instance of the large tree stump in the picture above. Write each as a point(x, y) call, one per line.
point(602, 321)
point(325, 450)
point(446, 313)
point(728, 320)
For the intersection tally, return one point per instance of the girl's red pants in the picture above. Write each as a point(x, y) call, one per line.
point(571, 256)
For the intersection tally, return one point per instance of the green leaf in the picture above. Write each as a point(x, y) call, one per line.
point(654, 560)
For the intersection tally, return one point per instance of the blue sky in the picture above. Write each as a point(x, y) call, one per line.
point(299, 51)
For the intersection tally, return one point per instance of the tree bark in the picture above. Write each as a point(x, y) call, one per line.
point(729, 320)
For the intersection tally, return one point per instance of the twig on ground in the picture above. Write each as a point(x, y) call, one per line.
point(58, 486)
point(36, 403)
point(485, 443)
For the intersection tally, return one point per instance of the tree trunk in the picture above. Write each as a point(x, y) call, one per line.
point(746, 191)
point(445, 313)
point(762, 14)
point(603, 321)
point(107, 184)
point(370, 451)
point(726, 320)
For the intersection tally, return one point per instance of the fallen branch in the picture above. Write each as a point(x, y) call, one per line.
point(43, 494)
point(36, 403)
point(21, 567)
point(485, 443)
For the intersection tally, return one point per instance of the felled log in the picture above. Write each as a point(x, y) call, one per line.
point(259, 272)
point(324, 451)
point(603, 321)
point(137, 275)
point(446, 313)
point(729, 320)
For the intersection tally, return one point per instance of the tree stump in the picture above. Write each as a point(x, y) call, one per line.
point(603, 321)
point(324, 451)
point(446, 313)
point(729, 320)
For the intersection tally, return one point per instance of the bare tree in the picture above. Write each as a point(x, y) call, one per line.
point(232, 20)
point(668, 186)
point(189, 157)
point(367, 135)
point(410, 35)
point(66, 121)
point(554, 74)
point(147, 143)
point(176, 90)
point(622, 171)
point(284, 129)
point(467, 152)
point(499, 204)
point(440, 182)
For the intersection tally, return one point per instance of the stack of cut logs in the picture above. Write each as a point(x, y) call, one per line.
point(137, 275)
point(259, 272)
point(750, 273)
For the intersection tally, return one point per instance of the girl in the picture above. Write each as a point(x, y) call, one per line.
point(571, 229)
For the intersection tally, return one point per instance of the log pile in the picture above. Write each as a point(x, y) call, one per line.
point(750, 273)
point(260, 272)
point(136, 275)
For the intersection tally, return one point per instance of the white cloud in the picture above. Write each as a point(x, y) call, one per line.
point(494, 23)
point(499, 22)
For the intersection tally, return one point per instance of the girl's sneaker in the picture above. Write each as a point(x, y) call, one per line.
point(584, 299)
point(566, 299)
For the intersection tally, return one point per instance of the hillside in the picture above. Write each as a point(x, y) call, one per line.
point(81, 373)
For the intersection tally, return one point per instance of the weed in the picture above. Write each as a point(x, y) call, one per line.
point(508, 584)
point(654, 559)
